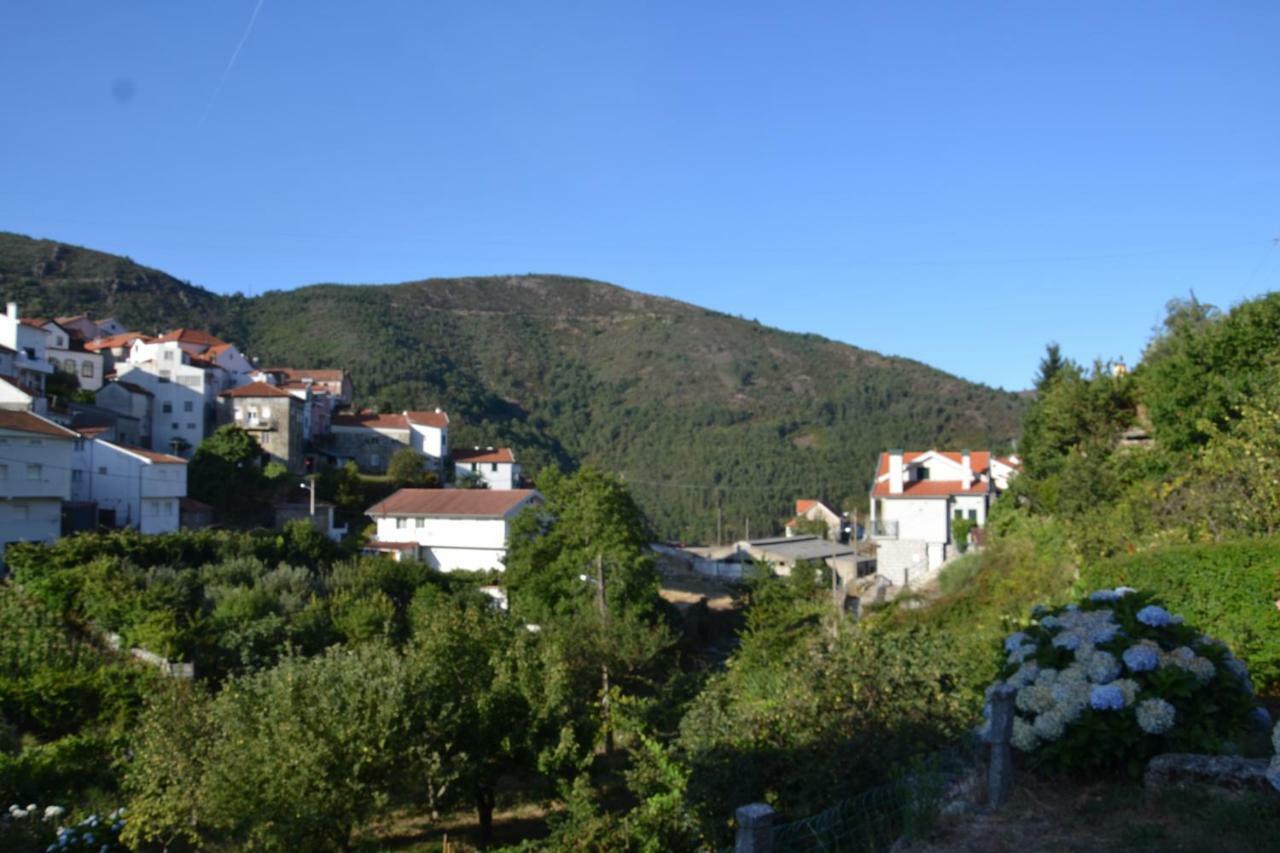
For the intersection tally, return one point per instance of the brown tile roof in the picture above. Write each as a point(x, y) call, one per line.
point(481, 503)
point(437, 419)
point(34, 322)
point(149, 455)
point(256, 389)
point(92, 431)
point(27, 422)
point(123, 339)
point(298, 374)
point(484, 454)
point(196, 337)
point(368, 420)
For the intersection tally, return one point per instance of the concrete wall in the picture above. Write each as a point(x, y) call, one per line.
point(502, 479)
point(29, 520)
point(370, 449)
point(923, 518)
point(276, 422)
point(34, 466)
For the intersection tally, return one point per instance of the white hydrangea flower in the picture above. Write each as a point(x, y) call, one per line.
point(1155, 716)
point(1024, 736)
point(1102, 667)
point(1046, 677)
point(1129, 688)
point(1072, 697)
point(1050, 725)
point(1034, 699)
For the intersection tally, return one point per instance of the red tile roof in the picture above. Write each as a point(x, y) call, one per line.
point(196, 337)
point(485, 454)
point(979, 462)
point(299, 374)
point(27, 422)
point(803, 506)
point(436, 419)
point(122, 340)
point(256, 389)
point(479, 503)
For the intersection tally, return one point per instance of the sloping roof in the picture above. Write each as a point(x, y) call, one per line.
point(803, 506)
point(149, 455)
point(196, 337)
point(27, 422)
point(62, 320)
point(256, 389)
point(121, 340)
point(485, 454)
point(35, 322)
point(478, 503)
point(369, 420)
point(133, 388)
point(979, 463)
point(11, 381)
point(298, 374)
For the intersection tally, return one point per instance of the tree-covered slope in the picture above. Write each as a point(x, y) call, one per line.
point(695, 408)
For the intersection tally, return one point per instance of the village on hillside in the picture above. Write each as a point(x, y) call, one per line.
point(101, 422)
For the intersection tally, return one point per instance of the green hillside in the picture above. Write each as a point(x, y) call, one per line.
point(692, 406)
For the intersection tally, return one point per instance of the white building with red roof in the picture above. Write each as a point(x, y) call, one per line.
point(369, 438)
point(917, 494)
point(815, 510)
point(448, 529)
point(35, 477)
point(496, 467)
point(28, 342)
point(129, 486)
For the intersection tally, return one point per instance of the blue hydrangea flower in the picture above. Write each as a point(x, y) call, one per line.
point(1106, 697)
point(1142, 657)
point(1104, 595)
point(1014, 640)
point(1154, 616)
point(1103, 668)
point(1068, 640)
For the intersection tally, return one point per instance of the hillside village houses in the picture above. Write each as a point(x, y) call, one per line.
point(448, 529)
point(369, 438)
point(914, 498)
point(495, 467)
point(35, 477)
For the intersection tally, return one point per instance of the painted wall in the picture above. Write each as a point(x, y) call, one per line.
point(924, 518)
point(451, 544)
point(34, 520)
point(143, 494)
point(502, 479)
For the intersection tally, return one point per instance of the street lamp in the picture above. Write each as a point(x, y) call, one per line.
point(310, 486)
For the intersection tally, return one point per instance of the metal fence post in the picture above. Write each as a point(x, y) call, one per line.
point(755, 829)
point(1000, 768)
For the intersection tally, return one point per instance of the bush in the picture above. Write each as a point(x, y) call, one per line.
point(1228, 589)
point(1105, 684)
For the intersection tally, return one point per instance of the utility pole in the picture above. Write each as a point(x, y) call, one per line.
point(746, 523)
point(602, 603)
point(310, 486)
point(719, 520)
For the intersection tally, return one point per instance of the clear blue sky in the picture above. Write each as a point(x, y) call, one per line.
point(954, 182)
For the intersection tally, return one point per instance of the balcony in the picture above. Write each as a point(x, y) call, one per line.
point(881, 529)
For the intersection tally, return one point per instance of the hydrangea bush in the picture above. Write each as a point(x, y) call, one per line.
point(1106, 683)
point(30, 827)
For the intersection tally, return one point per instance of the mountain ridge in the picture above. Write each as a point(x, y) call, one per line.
point(697, 408)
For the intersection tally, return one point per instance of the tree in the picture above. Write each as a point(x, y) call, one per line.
point(226, 473)
point(1050, 366)
point(407, 467)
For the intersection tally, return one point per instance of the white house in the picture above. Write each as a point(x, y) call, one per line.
point(449, 529)
point(35, 477)
point(28, 341)
point(67, 351)
point(914, 498)
point(495, 467)
point(813, 510)
point(132, 487)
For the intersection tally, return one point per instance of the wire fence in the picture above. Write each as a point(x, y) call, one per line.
point(874, 820)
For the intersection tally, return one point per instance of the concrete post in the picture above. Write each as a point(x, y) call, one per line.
point(755, 829)
point(1000, 768)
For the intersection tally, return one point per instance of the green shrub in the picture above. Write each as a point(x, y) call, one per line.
point(1228, 589)
point(1105, 684)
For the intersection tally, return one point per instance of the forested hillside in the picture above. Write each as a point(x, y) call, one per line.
point(691, 406)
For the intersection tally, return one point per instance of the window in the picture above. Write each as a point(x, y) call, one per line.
point(922, 473)
point(86, 369)
point(419, 523)
point(959, 513)
point(77, 476)
point(168, 355)
point(493, 466)
point(188, 406)
point(35, 471)
point(78, 445)
point(102, 469)
point(173, 425)
point(973, 515)
point(400, 523)
point(166, 407)
point(4, 472)
point(191, 426)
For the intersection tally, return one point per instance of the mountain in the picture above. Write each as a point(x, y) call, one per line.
point(696, 409)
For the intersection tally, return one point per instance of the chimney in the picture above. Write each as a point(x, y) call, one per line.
point(966, 462)
point(12, 310)
point(895, 472)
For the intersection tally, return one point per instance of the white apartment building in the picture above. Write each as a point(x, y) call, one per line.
point(35, 477)
point(914, 498)
point(495, 467)
point(449, 529)
point(28, 343)
point(184, 392)
point(132, 487)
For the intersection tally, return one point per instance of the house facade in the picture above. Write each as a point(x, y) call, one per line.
point(369, 439)
point(272, 415)
point(132, 401)
point(130, 486)
point(28, 343)
point(184, 392)
point(35, 477)
point(448, 529)
point(914, 498)
point(67, 351)
point(496, 467)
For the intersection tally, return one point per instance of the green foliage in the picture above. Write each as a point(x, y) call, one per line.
point(1229, 588)
point(1063, 662)
point(407, 467)
point(802, 526)
point(960, 530)
point(226, 473)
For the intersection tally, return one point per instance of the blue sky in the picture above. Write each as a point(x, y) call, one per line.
point(954, 182)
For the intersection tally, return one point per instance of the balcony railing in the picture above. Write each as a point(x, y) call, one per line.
point(881, 529)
